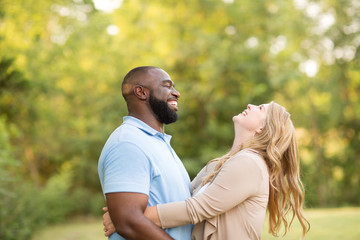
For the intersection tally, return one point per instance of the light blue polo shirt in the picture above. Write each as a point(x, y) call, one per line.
point(137, 158)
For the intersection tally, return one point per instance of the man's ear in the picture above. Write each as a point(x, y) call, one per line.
point(141, 92)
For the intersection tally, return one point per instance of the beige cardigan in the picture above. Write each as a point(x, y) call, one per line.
point(232, 207)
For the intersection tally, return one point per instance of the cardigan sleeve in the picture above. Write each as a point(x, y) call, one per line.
point(239, 178)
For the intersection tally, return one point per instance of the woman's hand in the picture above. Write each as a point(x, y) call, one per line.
point(109, 227)
point(152, 214)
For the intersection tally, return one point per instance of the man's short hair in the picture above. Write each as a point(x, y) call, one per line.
point(133, 78)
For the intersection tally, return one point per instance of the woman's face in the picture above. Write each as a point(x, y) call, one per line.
point(252, 119)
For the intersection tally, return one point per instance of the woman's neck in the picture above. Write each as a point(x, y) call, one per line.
point(239, 139)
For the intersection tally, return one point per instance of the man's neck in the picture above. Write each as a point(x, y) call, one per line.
point(150, 120)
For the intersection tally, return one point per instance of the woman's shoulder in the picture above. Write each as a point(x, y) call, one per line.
point(248, 152)
point(250, 157)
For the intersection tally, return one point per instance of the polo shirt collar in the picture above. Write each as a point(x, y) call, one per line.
point(144, 127)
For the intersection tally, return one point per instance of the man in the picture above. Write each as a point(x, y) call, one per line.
point(137, 166)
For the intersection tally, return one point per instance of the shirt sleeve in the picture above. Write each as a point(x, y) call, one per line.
point(126, 169)
point(239, 178)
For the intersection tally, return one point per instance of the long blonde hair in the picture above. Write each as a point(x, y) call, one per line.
point(277, 144)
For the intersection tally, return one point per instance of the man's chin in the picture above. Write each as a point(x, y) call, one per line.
point(173, 119)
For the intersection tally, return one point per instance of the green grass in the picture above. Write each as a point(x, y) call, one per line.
point(326, 224)
point(77, 229)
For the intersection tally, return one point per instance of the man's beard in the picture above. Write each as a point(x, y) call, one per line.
point(162, 110)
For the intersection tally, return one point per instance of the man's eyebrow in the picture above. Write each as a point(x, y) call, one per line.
point(169, 81)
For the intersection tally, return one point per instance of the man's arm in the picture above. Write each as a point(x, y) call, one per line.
point(127, 214)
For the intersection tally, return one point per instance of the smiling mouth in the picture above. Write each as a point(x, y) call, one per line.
point(173, 103)
point(244, 113)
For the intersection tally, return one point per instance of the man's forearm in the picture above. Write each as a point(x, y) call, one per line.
point(141, 228)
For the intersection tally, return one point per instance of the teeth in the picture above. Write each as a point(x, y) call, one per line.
point(174, 103)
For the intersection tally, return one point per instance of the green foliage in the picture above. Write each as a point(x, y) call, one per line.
point(25, 207)
point(12, 82)
point(60, 98)
point(13, 221)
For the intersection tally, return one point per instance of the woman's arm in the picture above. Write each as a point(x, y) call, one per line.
point(239, 178)
point(152, 213)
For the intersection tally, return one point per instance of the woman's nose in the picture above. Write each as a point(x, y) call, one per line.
point(249, 106)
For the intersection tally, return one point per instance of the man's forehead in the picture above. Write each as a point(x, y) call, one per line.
point(158, 73)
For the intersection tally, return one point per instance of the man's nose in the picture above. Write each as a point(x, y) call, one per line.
point(175, 93)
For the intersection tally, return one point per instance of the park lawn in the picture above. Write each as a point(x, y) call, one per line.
point(326, 224)
point(77, 229)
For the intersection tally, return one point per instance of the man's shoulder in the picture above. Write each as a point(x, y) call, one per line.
point(127, 132)
point(124, 141)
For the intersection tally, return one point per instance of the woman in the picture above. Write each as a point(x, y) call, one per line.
point(231, 194)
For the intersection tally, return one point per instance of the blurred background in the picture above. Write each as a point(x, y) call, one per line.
point(62, 63)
